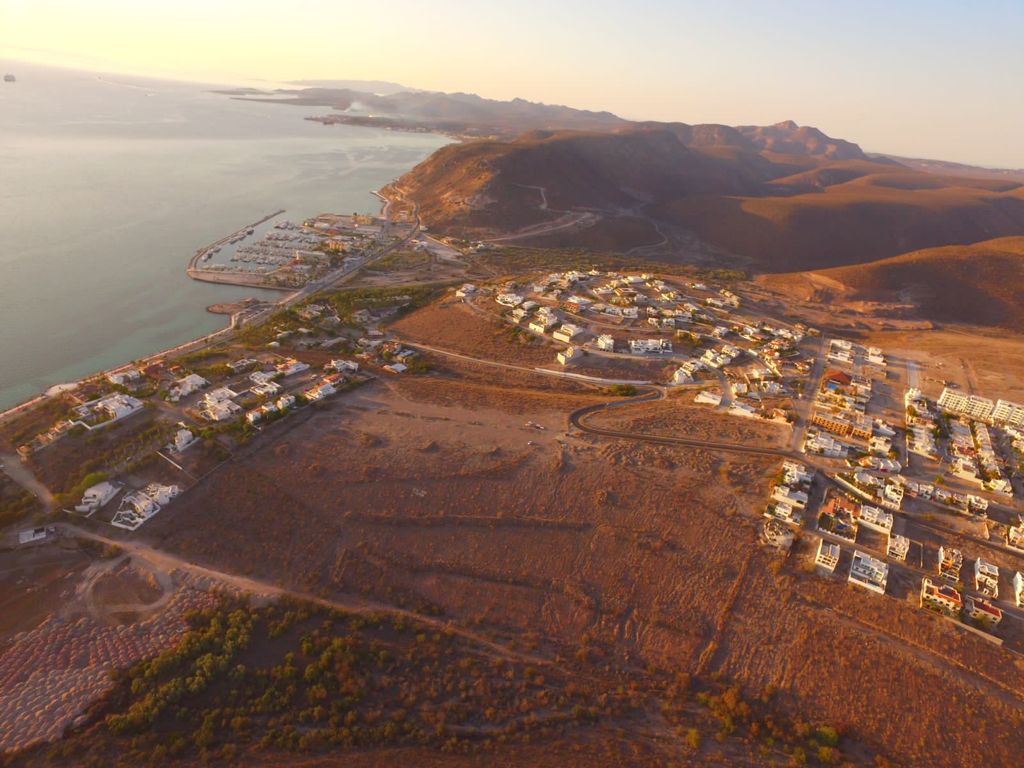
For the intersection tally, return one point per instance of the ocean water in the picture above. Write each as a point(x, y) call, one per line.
point(109, 184)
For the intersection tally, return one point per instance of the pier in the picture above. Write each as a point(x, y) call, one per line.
point(197, 273)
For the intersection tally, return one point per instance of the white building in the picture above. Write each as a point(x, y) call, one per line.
point(542, 323)
point(876, 519)
point(827, 556)
point(682, 376)
point(868, 572)
point(708, 397)
point(96, 498)
point(1009, 414)
point(343, 366)
point(568, 355)
point(785, 495)
point(567, 333)
point(606, 342)
point(986, 578)
point(1018, 589)
point(183, 438)
point(898, 547)
point(650, 346)
point(972, 406)
point(122, 378)
point(185, 386)
point(823, 444)
point(509, 299)
point(119, 406)
point(290, 367)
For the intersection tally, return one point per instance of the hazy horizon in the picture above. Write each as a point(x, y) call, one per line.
point(893, 80)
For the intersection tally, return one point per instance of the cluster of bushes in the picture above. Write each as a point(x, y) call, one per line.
point(803, 742)
point(15, 504)
point(203, 656)
point(297, 677)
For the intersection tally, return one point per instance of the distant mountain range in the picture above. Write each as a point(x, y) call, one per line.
point(462, 114)
point(778, 198)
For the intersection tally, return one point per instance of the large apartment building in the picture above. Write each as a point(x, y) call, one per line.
point(982, 408)
point(972, 406)
point(1010, 414)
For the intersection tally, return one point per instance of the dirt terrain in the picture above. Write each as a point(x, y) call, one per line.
point(954, 284)
point(676, 417)
point(499, 520)
point(463, 328)
point(69, 619)
point(784, 198)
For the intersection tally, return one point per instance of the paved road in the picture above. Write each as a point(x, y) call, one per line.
point(806, 401)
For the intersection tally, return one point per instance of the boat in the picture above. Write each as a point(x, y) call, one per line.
point(9, 78)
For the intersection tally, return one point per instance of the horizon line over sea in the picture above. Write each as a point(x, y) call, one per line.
point(112, 183)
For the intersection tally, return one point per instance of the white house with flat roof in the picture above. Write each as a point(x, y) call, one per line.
point(567, 333)
point(96, 498)
point(827, 556)
point(875, 519)
point(868, 572)
point(898, 547)
point(568, 355)
point(986, 578)
point(185, 386)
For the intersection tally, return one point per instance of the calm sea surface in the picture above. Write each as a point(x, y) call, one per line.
point(108, 185)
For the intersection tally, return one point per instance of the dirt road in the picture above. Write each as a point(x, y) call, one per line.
point(168, 562)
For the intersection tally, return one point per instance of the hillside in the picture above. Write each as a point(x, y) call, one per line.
point(976, 284)
point(784, 197)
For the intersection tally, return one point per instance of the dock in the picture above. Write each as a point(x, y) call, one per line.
point(191, 269)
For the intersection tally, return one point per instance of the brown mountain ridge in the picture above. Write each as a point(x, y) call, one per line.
point(782, 197)
point(977, 284)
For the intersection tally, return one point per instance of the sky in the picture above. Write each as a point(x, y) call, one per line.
point(936, 79)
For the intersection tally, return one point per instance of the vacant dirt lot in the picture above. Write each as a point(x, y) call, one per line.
point(991, 365)
point(677, 418)
point(458, 327)
point(493, 516)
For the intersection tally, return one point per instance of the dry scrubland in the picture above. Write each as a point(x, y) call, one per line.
point(673, 418)
point(615, 550)
point(101, 618)
point(461, 328)
point(976, 283)
point(796, 200)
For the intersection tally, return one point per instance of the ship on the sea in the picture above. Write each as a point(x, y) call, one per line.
point(9, 78)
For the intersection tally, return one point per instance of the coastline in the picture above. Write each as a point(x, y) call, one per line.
point(235, 321)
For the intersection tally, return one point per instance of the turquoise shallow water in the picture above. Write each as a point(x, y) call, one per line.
point(109, 184)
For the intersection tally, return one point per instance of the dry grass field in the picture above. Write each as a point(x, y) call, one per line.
point(975, 283)
point(676, 417)
point(461, 328)
point(612, 551)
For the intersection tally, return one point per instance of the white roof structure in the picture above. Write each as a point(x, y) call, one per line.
point(868, 572)
point(96, 497)
point(898, 547)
